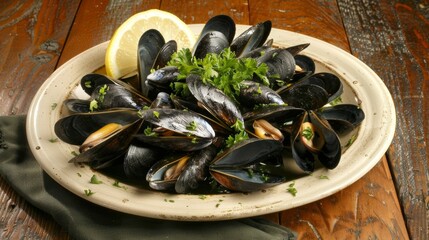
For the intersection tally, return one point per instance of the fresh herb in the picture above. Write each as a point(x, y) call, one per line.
point(194, 140)
point(102, 91)
point(291, 189)
point(168, 200)
point(149, 132)
point(192, 126)
point(80, 175)
point(239, 136)
point(336, 101)
point(93, 105)
point(202, 197)
point(236, 138)
point(94, 180)
point(88, 192)
point(74, 153)
point(307, 133)
point(88, 84)
point(116, 183)
point(224, 70)
point(156, 114)
point(53, 140)
point(53, 106)
point(323, 177)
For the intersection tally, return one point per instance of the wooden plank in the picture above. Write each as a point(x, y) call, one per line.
point(392, 37)
point(97, 22)
point(33, 35)
point(190, 11)
point(341, 215)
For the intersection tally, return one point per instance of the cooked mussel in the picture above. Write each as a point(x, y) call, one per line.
point(247, 166)
point(175, 129)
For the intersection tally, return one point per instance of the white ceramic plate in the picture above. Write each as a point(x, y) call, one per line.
point(374, 137)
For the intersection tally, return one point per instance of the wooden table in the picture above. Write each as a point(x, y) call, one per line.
point(392, 37)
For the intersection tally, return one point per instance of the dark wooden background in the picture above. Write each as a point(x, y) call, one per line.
point(392, 37)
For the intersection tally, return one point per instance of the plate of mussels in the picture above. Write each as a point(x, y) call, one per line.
point(251, 120)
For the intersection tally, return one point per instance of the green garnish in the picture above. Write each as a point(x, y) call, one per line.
point(54, 105)
point(53, 140)
point(156, 114)
point(224, 70)
point(307, 133)
point(88, 192)
point(192, 126)
point(291, 189)
point(149, 132)
point(88, 84)
point(103, 90)
point(94, 180)
point(202, 197)
point(323, 177)
point(93, 105)
point(336, 101)
point(74, 153)
point(236, 138)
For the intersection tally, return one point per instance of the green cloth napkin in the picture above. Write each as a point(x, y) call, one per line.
point(85, 220)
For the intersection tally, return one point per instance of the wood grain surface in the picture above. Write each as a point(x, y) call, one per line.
point(390, 36)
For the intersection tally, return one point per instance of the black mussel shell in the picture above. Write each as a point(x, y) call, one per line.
point(149, 45)
point(254, 37)
point(196, 170)
point(343, 118)
point(242, 167)
point(74, 129)
point(307, 96)
point(139, 158)
point(253, 93)
point(214, 100)
point(212, 42)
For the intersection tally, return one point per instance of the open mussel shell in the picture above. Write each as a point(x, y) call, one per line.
point(244, 167)
point(74, 105)
point(164, 173)
point(328, 81)
point(254, 37)
point(321, 144)
point(107, 150)
point(149, 45)
point(162, 78)
point(74, 129)
point(190, 131)
point(214, 100)
point(343, 118)
point(196, 170)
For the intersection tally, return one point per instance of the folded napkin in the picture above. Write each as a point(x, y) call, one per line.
point(85, 220)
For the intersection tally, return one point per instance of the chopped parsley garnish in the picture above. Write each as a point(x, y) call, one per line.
point(88, 84)
point(291, 189)
point(149, 132)
point(53, 106)
point(74, 153)
point(94, 180)
point(307, 133)
point(156, 114)
point(224, 70)
point(192, 126)
point(53, 140)
point(236, 138)
point(323, 177)
point(88, 192)
point(93, 105)
point(336, 101)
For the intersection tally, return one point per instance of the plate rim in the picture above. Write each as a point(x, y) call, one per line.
point(220, 212)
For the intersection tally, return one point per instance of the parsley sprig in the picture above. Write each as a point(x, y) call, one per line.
point(224, 70)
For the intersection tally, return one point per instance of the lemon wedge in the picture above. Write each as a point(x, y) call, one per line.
point(121, 53)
